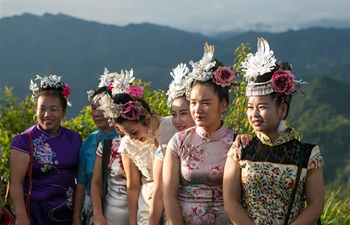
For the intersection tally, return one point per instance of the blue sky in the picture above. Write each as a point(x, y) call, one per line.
point(202, 16)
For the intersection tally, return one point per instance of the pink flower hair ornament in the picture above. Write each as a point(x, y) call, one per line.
point(135, 91)
point(66, 91)
point(130, 111)
point(224, 76)
point(282, 81)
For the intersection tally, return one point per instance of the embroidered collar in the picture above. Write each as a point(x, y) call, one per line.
point(214, 136)
point(48, 132)
point(280, 139)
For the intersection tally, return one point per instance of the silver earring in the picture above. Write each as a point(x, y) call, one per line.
point(282, 127)
point(34, 118)
point(149, 129)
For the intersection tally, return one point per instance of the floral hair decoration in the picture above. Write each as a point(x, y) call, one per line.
point(105, 81)
point(206, 69)
point(49, 82)
point(121, 83)
point(264, 76)
point(118, 83)
point(177, 87)
point(131, 110)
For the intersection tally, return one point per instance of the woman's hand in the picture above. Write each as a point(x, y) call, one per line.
point(77, 221)
point(99, 220)
point(22, 220)
point(243, 140)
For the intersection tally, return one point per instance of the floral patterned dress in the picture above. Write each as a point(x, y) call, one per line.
point(202, 158)
point(55, 167)
point(268, 174)
point(143, 155)
point(115, 208)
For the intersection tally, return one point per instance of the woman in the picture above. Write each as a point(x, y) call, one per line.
point(177, 99)
point(195, 158)
point(182, 120)
point(144, 133)
point(56, 156)
point(260, 178)
point(88, 149)
point(115, 210)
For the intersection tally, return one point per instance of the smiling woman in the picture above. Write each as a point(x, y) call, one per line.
point(144, 134)
point(261, 181)
point(56, 153)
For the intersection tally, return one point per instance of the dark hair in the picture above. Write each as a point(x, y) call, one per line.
point(279, 98)
point(51, 91)
point(101, 90)
point(222, 92)
point(124, 98)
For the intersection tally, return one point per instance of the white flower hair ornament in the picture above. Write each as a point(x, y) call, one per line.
point(264, 76)
point(49, 82)
point(177, 87)
point(206, 69)
point(106, 80)
point(122, 81)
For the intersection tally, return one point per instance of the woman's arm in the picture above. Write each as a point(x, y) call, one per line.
point(314, 191)
point(171, 182)
point(232, 194)
point(157, 206)
point(133, 185)
point(79, 196)
point(96, 193)
point(19, 162)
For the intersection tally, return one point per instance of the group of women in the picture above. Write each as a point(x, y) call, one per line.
point(188, 168)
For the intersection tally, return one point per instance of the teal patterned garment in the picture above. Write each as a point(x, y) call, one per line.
point(268, 173)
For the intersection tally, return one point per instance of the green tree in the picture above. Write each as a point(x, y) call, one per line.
point(15, 117)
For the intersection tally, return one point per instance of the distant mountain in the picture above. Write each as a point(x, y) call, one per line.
point(261, 27)
point(323, 116)
point(80, 50)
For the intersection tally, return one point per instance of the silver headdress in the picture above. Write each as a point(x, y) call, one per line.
point(177, 87)
point(206, 69)
point(46, 82)
point(264, 76)
point(201, 69)
point(105, 81)
point(120, 83)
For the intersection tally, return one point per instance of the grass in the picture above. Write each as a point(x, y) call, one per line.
point(337, 208)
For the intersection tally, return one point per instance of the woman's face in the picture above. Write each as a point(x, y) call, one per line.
point(49, 112)
point(205, 107)
point(180, 110)
point(135, 130)
point(264, 115)
point(97, 115)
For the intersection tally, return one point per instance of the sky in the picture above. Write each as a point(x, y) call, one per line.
point(203, 16)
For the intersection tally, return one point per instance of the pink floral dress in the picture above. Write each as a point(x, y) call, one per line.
point(202, 158)
point(268, 174)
